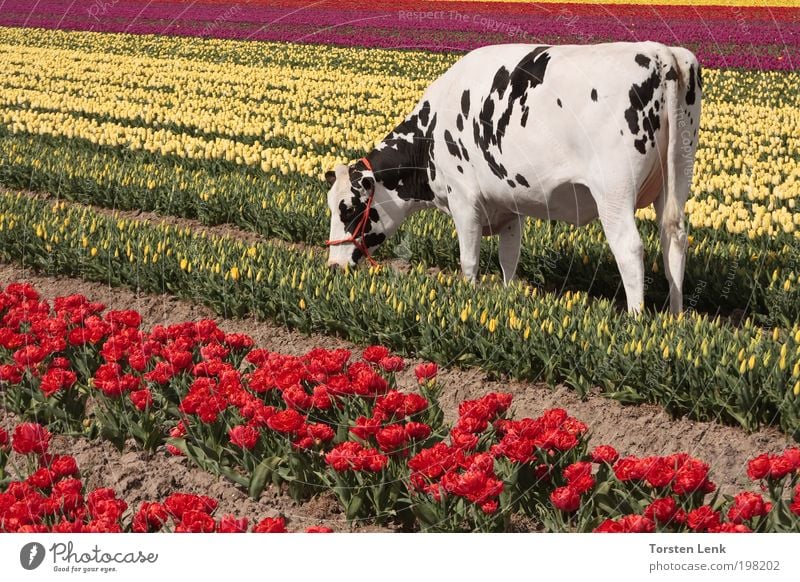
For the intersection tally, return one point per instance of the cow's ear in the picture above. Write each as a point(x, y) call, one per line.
point(330, 177)
point(367, 183)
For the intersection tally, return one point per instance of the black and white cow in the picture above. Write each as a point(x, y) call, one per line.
point(568, 133)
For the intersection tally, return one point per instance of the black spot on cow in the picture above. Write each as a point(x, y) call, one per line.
point(594, 95)
point(656, 105)
point(404, 166)
point(672, 74)
point(431, 165)
point(500, 82)
point(465, 103)
point(460, 169)
point(640, 97)
point(524, 119)
point(528, 74)
point(464, 151)
point(424, 113)
point(643, 60)
point(620, 132)
point(483, 131)
point(449, 189)
point(559, 103)
point(460, 122)
point(690, 94)
point(650, 124)
point(699, 78)
point(483, 125)
point(373, 239)
point(511, 183)
point(355, 172)
point(632, 117)
point(352, 213)
point(451, 144)
point(522, 181)
point(349, 212)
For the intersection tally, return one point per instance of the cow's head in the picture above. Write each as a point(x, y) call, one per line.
point(353, 190)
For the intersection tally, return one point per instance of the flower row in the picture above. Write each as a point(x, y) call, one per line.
point(238, 102)
point(757, 37)
point(323, 422)
point(43, 492)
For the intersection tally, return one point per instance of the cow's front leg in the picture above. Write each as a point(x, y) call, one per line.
point(468, 227)
point(626, 244)
point(510, 244)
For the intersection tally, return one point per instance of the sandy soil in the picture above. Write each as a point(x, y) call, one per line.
point(638, 430)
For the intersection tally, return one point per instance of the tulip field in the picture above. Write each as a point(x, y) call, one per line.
point(219, 160)
point(179, 148)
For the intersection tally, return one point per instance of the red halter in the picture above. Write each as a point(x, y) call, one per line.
point(357, 238)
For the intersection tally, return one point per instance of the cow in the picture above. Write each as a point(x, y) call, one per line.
point(569, 133)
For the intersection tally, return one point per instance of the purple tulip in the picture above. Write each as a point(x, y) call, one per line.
point(735, 38)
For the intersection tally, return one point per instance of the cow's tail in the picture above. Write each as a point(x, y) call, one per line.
point(683, 90)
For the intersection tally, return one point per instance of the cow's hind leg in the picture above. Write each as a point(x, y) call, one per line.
point(626, 244)
point(510, 243)
point(673, 249)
